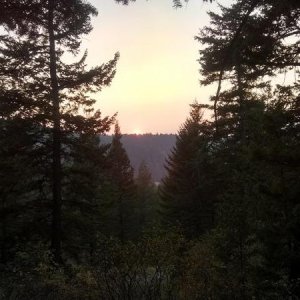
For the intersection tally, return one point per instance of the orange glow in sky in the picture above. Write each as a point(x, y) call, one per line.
point(158, 73)
point(136, 131)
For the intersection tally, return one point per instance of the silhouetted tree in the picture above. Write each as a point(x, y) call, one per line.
point(245, 48)
point(32, 65)
point(182, 189)
point(147, 198)
point(121, 176)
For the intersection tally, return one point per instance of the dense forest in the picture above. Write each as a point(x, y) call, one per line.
point(77, 224)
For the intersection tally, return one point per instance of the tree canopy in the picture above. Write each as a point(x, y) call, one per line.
point(74, 221)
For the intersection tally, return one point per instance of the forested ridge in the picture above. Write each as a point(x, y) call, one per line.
point(77, 223)
point(153, 149)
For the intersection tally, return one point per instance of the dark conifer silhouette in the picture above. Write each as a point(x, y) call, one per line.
point(56, 91)
point(121, 174)
point(232, 181)
point(182, 189)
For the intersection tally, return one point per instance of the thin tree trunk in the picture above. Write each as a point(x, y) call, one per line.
point(231, 46)
point(56, 234)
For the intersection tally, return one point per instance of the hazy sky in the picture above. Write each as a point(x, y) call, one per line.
point(157, 74)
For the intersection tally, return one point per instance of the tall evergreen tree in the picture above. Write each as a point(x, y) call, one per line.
point(52, 92)
point(121, 176)
point(182, 189)
point(245, 48)
point(85, 202)
point(147, 202)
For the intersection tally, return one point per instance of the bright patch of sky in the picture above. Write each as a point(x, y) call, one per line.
point(158, 73)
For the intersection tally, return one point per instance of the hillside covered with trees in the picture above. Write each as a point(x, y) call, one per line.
point(77, 224)
point(153, 149)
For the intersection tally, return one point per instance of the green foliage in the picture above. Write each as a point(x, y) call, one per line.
point(185, 197)
point(147, 269)
point(147, 201)
point(252, 146)
point(232, 184)
point(249, 157)
point(144, 270)
point(41, 97)
point(122, 188)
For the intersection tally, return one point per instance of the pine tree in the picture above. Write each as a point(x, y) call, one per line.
point(183, 188)
point(121, 176)
point(85, 201)
point(52, 93)
point(21, 185)
point(245, 48)
point(147, 200)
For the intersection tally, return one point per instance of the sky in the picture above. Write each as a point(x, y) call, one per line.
point(158, 73)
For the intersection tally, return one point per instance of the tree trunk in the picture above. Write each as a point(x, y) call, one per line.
point(56, 151)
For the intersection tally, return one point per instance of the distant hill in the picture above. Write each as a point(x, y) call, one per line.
point(152, 148)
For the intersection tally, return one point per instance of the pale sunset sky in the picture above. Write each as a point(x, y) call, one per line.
point(158, 73)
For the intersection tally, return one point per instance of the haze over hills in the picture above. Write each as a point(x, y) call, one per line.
point(151, 148)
